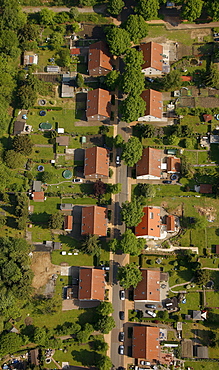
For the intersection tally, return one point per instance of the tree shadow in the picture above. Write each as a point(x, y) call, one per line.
point(88, 316)
point(40, 219)
point(85, 357)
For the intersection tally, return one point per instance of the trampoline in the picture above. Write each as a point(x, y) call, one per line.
point(45, 126)
point(24, 116)
point(42, 102)
point(40, 168)
point(67, 174)
point(42, 113)
point(173, 177)
point(217, 117)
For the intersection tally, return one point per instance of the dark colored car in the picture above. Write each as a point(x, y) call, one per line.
point(151, 306)
point(167, 182)
point(121, 336)
point(122, 315)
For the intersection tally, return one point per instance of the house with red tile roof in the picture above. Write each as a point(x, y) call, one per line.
point(68, 223)
point(99, 61)
point(91, 284)
point(148, 289)
point(205, 189)
point(171, 223)
point(98, 105)
point(173, 164)
point(154, 106)
point(94, 221)
point(96, 163)
point(146, 343)
point(153, 58)
point(149, 167)
point(38, 196)
point(151, 226)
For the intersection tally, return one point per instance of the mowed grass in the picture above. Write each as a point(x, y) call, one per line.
point(192, 303)
point(183, 36)
point(212, 299)
point(40, 153)
point(201, 365)
point(65, 118)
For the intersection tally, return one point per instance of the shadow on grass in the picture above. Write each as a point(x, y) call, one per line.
point(40, 219)
point(89, 316)
point(85, 357)
point(69, 241)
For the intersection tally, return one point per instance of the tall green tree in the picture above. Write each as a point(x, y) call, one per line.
point(129, 275)
point(133, 81)
point(56, 221)
point(91, 245)
point(132, 212)
point(172, 81)
point(46, 17)
point(132, 108)
point(14, 160)
point(23, 144)
point(9, 343)
point(132, 151)
point(148, 9)
point(202, 277)
point(105, 308)
point(212, 78)
point(56, 41)
point(12, 16)
point(112, 79)
point(115, 6)
point(118, 40)
point(27, 96)
point(136, 27)
point(104, 363)
point(105, 324)
point(192, 9)
point(130, 244)
point(133, 59)
point(213, 9)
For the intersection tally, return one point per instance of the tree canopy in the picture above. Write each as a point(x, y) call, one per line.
point(133, 59)
point(91, 245)
point(130, 244)
point(132, 108)
point(129, 275)
point(14, 159)
point(132, 212)
point(132, 81)
point(132, 151)
point(136, 27)
point(56, 221)
point(9, 343)
point(192, 9)
point(105, 308)
point(213, 9)
point(105, 324)
point(212, 78)
point(172, 81)
point(202, 277)
point(112, 79)
point(115, 6)
point(148, 9)
point(23, 144)
point(118, 40)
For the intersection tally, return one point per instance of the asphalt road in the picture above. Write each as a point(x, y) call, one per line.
point(118, 305)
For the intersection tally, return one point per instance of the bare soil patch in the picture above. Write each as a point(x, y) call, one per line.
point(43, 269)
point(177, 211)
point(209, 212)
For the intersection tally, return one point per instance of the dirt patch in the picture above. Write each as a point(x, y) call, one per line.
point(164, 205)
point(177, 211)
point(43, 269)
point(209, 212)
point(200, 34)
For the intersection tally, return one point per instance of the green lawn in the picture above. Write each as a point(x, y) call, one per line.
point(212, 299)
point(65, 118)
point(79, 260)
point(192, 303)
point(40, 153)
point(183, 36)
point(201, 365)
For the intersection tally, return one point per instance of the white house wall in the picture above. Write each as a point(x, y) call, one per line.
point(149, 118)
point(151, 71)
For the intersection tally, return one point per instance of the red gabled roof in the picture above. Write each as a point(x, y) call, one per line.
point(150, 223)
point(99, 56)
point(154, 105)
point(68, 223)
point(98, 102)
point(75, 51)
point(173, 164)
point(148, 289)
point(94, 221)
point(150, 162)
point(205, 189)
point(145, 343)
point(38, 196)
point(96, 162)
point(170, 223)
point(152, 53)
point(207, 117)
point(91, 284)
point(186, 78)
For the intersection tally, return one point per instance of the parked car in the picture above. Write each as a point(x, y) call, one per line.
point(167, 182)
point(151, 313)
point(117, 160)
point(122, 315)
point(151, 306)
point(121, 350)
point(122, 295)
point(77, 180)
point(149, 79)
point(217, 39)
point(145, 363)
point(121, 336)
